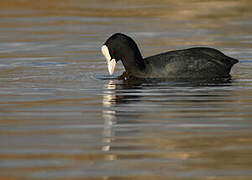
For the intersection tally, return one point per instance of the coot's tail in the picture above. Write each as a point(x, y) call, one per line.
point(229, 62)
point(232, 61)
point(225, 61)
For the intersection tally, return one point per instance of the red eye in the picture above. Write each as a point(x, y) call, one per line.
point(112, 52)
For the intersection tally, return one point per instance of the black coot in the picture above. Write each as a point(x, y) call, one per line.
point(193, 63)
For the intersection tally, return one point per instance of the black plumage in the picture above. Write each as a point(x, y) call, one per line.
point(198, 62)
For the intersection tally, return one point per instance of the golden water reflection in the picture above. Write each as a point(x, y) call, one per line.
point(58, 121)
point(204, 148)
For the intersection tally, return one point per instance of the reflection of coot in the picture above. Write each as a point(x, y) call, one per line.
point(193, 63)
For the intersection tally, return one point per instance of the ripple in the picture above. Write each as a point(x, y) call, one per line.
point(62, 115)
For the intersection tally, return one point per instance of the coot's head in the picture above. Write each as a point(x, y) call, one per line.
point(119, 47)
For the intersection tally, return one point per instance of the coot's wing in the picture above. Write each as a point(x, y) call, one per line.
point(216, 55)
point(193, 62)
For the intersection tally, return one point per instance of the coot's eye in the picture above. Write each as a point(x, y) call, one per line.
point(112, 51)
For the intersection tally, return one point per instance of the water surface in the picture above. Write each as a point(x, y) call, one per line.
point(61, 118)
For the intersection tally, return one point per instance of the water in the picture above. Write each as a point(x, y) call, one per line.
point(62, 118)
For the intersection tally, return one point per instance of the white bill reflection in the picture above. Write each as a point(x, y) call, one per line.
point(109, 117)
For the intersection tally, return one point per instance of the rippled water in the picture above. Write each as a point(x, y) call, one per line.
point(61, 118)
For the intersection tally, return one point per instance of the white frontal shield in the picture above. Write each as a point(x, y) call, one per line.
point(110, 62)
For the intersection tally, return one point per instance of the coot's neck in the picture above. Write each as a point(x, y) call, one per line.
point(133, 61)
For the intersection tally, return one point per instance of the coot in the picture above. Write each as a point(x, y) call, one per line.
point(197, 62)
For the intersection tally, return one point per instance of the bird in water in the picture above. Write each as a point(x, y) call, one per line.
point(192, 63)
